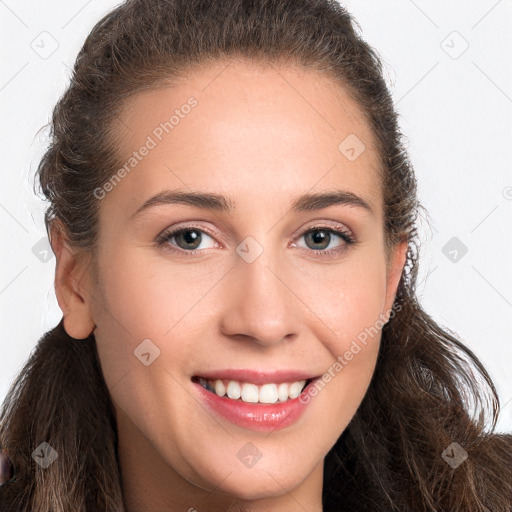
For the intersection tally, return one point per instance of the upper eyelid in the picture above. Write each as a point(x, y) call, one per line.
point(319, 224)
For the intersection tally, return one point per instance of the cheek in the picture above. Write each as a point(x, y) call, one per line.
point(144, 297)
point(350, 303)
point(352, 309)
point(128, 310)
point(353, 348)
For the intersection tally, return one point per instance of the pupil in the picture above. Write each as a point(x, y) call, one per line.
point(190, 238)
point(319, 236)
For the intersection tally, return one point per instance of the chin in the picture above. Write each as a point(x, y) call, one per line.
point(250, 490)
point(251, 484)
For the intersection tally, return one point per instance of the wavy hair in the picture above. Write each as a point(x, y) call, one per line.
point(428, 390)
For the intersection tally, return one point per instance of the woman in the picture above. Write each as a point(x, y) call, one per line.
point(256, 372)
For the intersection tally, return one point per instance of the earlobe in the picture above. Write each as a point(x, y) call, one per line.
point(398, 260)
point(72, 296)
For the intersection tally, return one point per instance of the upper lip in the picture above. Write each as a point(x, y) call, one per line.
point(257, 377)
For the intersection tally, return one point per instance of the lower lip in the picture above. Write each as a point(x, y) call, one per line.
point(262, 417)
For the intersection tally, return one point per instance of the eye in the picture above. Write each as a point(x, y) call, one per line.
point(322, 237)
point(188, 240)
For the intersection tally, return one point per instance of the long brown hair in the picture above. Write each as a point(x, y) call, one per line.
point(428, 390)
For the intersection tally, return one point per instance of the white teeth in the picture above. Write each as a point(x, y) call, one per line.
point(282, 392)
point(295, 389)
point(268, 394)
point(233, 390)
point(250, 393)
point(220, 389)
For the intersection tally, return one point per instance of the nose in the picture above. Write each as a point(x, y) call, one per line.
point(261, 304)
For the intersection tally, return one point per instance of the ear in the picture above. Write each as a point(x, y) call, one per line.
point(394, 272)
point(71, 286)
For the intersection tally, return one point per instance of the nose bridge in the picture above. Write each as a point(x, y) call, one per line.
point(262, 305)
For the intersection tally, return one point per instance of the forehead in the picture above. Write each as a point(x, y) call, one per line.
point(246, 129)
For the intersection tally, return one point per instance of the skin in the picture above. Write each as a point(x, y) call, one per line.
point(262, 135)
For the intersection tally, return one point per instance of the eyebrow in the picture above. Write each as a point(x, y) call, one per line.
point(225, 204)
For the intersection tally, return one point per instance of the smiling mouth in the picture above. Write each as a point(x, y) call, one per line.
point(248, 392)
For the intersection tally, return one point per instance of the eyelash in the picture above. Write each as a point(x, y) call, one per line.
point(166, 236)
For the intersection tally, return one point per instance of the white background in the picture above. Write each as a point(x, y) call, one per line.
point(455, 109)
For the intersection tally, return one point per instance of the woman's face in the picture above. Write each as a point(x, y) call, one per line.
point(257, 288)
